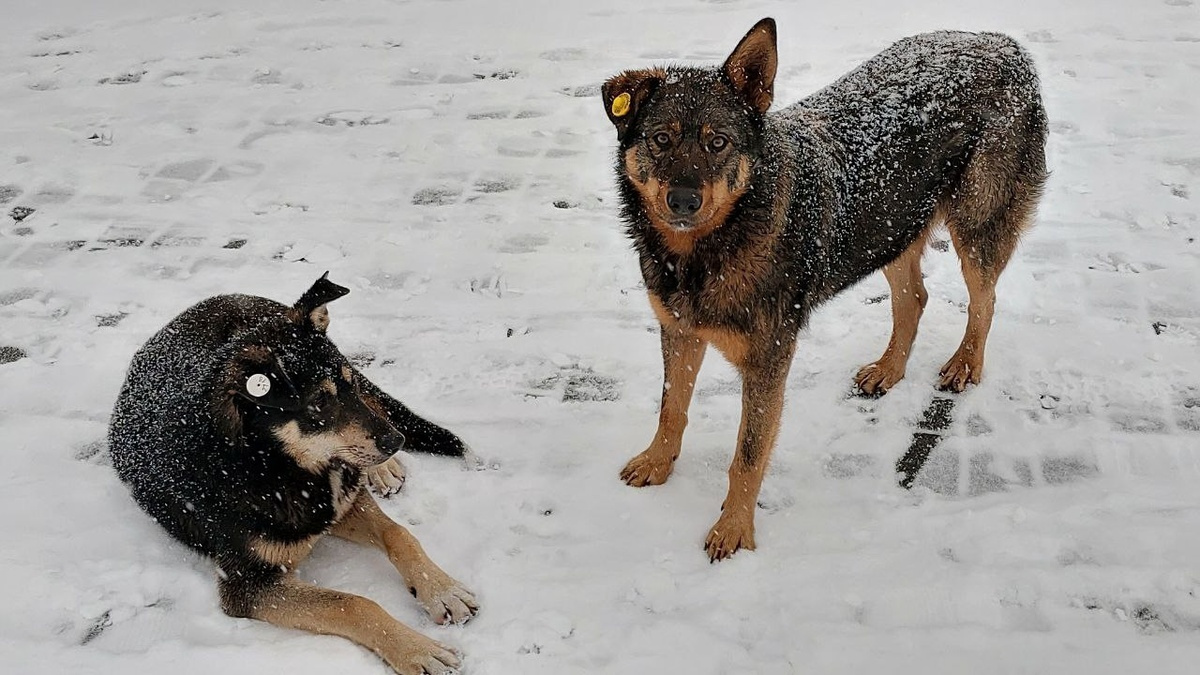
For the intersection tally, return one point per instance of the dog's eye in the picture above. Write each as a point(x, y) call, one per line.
point(661, 139)
point(718, 143)
point(322, 400)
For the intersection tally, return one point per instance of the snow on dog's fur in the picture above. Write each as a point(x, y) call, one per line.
point(247, 435)
point(745, 221)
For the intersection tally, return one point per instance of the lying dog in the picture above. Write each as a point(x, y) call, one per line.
point(246, 434)
point(744, 221)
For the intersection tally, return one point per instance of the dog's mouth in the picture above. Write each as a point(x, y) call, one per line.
point(674, 221)
point(362, 456)
point(682, 224)
point(688, 211)
point(697, 224)
point(375, 450)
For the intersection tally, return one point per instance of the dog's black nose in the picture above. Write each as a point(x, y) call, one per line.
point(684, 201)
point(390, 443)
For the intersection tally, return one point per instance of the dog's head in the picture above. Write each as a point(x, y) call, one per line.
point(285, 384)
point(688, 136)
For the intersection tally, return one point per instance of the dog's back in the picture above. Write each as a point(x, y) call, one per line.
point(163, 439)
point(894, 139)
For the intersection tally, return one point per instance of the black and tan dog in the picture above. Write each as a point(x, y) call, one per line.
point(745, 221)
point(246, 434)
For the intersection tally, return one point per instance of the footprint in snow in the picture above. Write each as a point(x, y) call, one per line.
point(503, 114)
point(436, 196)
point(582, 91)
point(11, 354)
point(843, 466)
point(121, 236)
point(564, 54)
point(1187, 409)
point(1146, 617)
point(131, 77)
point(417, 76)
point(352, 118)
point(175, 178)
point(496, 184)
point(523, 243)
point(576, 383)
point(176, 79)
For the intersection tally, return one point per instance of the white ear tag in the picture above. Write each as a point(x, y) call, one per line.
point(257, 385)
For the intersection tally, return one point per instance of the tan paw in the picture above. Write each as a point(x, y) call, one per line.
point(443, 598)
point(387, 478)
point(647, 469)
point(877, 378)
point(960, 371)
point(729, 535)
point(411, 653)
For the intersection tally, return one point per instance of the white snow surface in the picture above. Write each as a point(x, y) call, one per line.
point(451, 163)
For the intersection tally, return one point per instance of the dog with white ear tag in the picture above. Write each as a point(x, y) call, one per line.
point(245, 433)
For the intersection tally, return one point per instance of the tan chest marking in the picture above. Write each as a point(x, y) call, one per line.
point(311, 451)
point(285, 556)
point(732, 344)
point(343, 496)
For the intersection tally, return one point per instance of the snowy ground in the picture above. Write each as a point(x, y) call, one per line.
point(449, 161)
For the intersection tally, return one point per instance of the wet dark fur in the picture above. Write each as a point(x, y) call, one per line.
point(205, 459)
point(844, 180)
point(945, 126)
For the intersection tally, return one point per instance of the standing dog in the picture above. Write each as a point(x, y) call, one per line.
point(246, 434)
point(744, 222)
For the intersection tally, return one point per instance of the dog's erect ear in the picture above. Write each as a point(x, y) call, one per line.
point(751, 67)
point(311, 306)
point(623, 94)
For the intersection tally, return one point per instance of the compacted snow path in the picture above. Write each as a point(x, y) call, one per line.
point(450, 162)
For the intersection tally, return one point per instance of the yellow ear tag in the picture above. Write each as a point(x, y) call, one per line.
point(620, 105)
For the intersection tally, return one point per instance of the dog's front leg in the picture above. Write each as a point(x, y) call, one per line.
point(293, 604)
point(445, 599)
point(388, 478)
point(683, 352)
point(764, 376)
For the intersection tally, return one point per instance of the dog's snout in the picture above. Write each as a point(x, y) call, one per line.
point(390, 442)
point(684, 201)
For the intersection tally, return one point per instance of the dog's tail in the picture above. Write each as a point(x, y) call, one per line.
point(421, 435)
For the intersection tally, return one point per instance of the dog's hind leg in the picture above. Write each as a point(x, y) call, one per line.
point(991, 208)
point(908, 303)
point(683, 353)
point(445, 599)
point(966, 365)
point(292, 604)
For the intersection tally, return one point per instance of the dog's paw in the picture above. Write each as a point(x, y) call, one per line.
point(962, 369)
point(471, 460)
point(875, 379)
point(729, 535)
point(387, 479)
point(647, 469)
point(443, 598)
point(414, 654)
